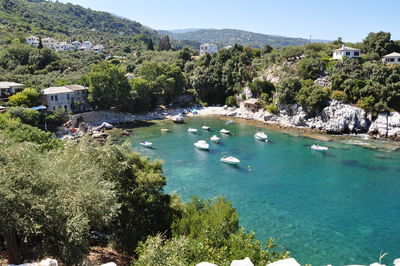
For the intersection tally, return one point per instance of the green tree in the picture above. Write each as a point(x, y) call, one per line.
point(150, 45)
point(141, 94)
point(287, 89)
point(25, 115)
point(312, 98)
point(50, 201)
point(108, 87)
point(262, 86)
point(164, 43)
point(310, 68)
point(378, 43)
point(28, 97)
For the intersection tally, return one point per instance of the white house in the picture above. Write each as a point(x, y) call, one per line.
point(208, 49)
point(98, 48)
point(65, 98)
point(347, 52)
point(76, 44)
point(392, 58)
point(32, 40)
point(9, 88)
point(84, 49)
point(87, 44)
point(49, 43)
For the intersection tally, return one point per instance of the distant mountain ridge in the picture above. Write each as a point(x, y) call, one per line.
point(225, 37)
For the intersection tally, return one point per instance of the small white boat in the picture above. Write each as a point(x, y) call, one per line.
point(192, 130)
point(165, 130)
point(261, 136)
point(229, 122)
point(205, 127)
point(319, 148)
point(230, 160)
point(146, 143)
point(224, 131)
point(202, 145)
point(215, 138)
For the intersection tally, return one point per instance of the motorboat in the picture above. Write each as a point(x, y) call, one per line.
point(319, 148)
point(229, 122)
point(202, 145)
point(192, 130)
point(261, 136)
point(215, 138)
point(165, 130)
point(146, 143)
point(230, 160)
point(225, 131)
point(205, 127)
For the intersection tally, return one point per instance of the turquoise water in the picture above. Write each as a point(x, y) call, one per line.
point(338, 207)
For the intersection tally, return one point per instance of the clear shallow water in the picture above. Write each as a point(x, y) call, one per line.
point(339, 207)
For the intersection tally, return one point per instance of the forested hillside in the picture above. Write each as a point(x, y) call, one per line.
point(227, 37)
point(19, 18)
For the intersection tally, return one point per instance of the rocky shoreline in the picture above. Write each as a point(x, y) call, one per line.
point(335, 120)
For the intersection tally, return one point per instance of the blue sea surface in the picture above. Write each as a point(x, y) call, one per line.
point(337, 207)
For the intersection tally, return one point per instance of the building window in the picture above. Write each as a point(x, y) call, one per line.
point(54, 108)
point(65, 107)
point(356, 53)
point(67, 96)
point(51, 98)
point(347, 53)
point(391, 60)
point(398, 59)
point(56, 97)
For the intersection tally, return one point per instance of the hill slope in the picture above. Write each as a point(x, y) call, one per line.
point(226, 37)
point(21, 17)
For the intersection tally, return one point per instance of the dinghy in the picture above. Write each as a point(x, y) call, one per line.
point(205, 127)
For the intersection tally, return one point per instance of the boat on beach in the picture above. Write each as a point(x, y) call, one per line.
point(205, 127)
point(192, 130)
point(146, 143)
point(215, 138)
point(230, 160)
point(319, 148)
point(261, 136)
point(202, 145)
point(225, 131)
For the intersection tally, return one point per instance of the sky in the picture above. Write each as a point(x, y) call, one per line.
point(322, 19)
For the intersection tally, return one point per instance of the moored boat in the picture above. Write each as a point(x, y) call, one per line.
point(225, 131)
point(205, 127)
point(146, 143)
point(192, 130)
point(202, 145)
point(261, 136)
point(230, 160)
point(165, 130)
point(215, 138)
point(319, 148)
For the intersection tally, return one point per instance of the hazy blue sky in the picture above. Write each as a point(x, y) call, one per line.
point(323, 19)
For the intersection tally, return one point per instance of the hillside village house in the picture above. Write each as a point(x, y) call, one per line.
point(208, 49)
point(54, 44)
point(393, 58)
point(66, 98)
point(9, 88)
point(347, 52)
point(32, 40)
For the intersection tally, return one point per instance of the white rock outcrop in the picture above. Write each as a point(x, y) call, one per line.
point(386, 125)
point(339, 118)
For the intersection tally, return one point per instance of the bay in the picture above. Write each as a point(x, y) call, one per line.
point(337, 207)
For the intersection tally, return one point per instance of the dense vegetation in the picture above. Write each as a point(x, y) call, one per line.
point(54, 194)
point(231, 37)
